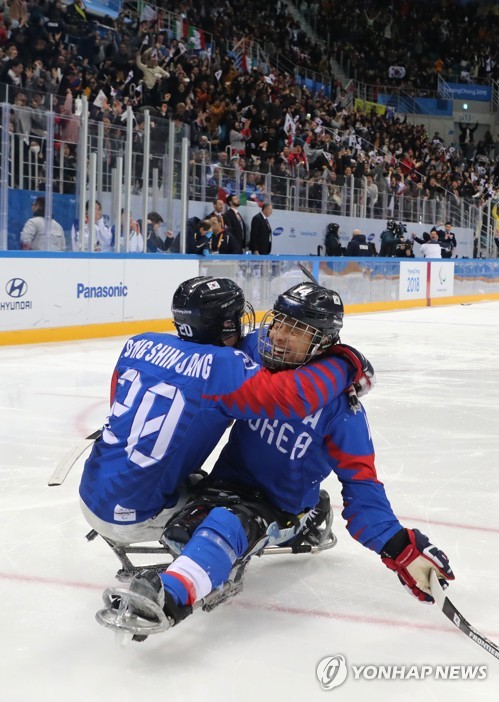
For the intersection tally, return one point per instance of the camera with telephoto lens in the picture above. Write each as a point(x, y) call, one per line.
point(400, 230)
point(404, 248)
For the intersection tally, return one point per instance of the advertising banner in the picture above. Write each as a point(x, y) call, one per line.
point(413, 277)
point(65, 291)
point(442, 279)
point(469, 91)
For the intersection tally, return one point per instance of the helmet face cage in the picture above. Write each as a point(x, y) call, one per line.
point(305, 322)
point(302, 341)
point(247, 319)
point(242, 323)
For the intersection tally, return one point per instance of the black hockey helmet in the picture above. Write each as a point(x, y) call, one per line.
point(208, 310)
point(333, 228)
point(307, 308)
point(391, 225)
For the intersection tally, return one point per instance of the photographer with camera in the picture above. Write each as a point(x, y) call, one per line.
point(391, 237)
point(406, 249)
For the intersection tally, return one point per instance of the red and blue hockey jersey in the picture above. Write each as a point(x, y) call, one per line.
point(172, 400)
point(288, 459)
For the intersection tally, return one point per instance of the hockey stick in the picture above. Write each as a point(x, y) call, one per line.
point(308, 274)
point(64, 466)
point(457, 618)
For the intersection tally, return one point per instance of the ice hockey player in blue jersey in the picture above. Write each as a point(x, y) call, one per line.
point(172, 399)
point(271, 470)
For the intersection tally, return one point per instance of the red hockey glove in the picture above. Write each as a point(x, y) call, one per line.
point(411, 555)
point(365, 377)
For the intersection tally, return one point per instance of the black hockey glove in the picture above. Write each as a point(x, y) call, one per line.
point(411, 555)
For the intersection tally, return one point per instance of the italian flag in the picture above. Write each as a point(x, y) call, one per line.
point(194, 37)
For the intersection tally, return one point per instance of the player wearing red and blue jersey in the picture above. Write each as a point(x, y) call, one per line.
point(271, 470)
point(288, 460)
point(172, 399)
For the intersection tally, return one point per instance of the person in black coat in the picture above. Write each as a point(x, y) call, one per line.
point(261, 231)
point(358, 246)
point(234, 221)
point(223, 241)
point(332, 241)
point(466, 133)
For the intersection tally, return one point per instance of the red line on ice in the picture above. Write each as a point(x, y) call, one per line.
point(437, 522)
point(247, 604)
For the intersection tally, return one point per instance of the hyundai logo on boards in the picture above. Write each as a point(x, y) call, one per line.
point(16, 287)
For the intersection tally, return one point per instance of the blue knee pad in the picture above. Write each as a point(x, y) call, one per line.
point(216, 544)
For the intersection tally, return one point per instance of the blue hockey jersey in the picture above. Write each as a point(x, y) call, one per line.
point(288, 460)
point(173, 400)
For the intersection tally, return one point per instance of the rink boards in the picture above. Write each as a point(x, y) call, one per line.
point(56, 297)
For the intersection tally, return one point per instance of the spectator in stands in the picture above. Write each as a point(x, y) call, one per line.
point(65, 165)
point(155, 243)
point(135, 238)
point(371, 195)
point(153, 75)
point(14, 74)
point(18, 13)
point(261, 231)
point(76, 16)
point(466, 132)
point(432, 190)
point(103, 236)
point(395, 192)
point(258, 103)
point(237, 140)
point(34, 233)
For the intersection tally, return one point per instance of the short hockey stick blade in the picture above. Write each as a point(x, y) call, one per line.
point(457, 618)
point(64, 466)
point(308, 274)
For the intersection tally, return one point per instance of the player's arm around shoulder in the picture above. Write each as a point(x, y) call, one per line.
point(246, 391)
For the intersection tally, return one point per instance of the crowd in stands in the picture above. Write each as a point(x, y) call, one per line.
point(254, 114)
point(455, 40)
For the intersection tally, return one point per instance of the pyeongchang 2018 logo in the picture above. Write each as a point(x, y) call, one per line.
point(16, 287)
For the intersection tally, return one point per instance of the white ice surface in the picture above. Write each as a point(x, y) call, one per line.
point(434, 416)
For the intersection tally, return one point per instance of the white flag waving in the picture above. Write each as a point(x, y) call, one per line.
point(289, 125)
point(396, 72)
point(101, 99)
point(147, 14)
